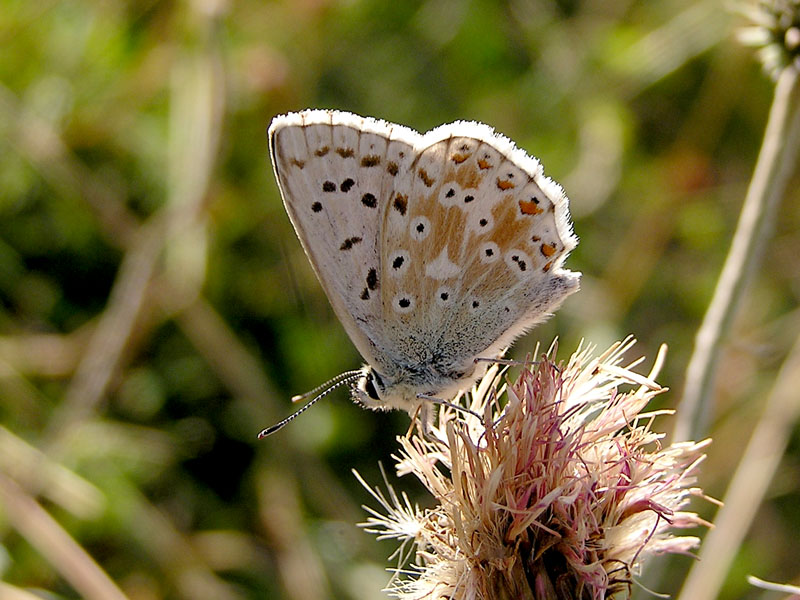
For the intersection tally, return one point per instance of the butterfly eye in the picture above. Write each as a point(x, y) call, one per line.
point(369, 387)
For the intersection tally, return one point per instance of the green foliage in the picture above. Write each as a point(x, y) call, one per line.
point(156, 309)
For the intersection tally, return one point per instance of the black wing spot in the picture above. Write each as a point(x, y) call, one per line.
point(483, 222)
point(444, 296)
point(468, 199)
point(372, 280)
point(450, 193)
point(420, 227)
point(347, 185)
point(328, 186)
point(316, 207)
point(489, 252)
point(404, 303)
point(365, 294)
point(369, 200)
point(349, 243)
point(475, 304)
point(398, 262)
point(400, 204)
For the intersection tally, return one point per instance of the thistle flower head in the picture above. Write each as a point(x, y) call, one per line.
point(560, 490)
point(775, 32)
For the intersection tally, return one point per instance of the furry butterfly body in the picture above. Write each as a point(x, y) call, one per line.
point(433, 249)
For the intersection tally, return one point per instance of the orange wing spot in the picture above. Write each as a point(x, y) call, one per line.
point(504, 184)
point(322, 151)
point(460, 158)
point(426, 179)
point(484, 164)
point(298, 163)
point(548, 249)
point(528, 207)
point(536, 238)
point(345, 152)
point(546, 268)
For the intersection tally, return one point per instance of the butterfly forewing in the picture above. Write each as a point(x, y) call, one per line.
point(332, 171)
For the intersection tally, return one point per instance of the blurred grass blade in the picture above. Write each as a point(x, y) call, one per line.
point(777, 161)
point(53, 542)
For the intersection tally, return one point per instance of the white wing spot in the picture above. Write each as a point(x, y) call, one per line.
point(420, 228)
point(450, 195)
point(489, 252)
point(518, 261)
point(403, 303)
point(441, 267)
point(480, 223)
point(444, 296)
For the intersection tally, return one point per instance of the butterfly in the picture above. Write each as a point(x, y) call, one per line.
point(433, 249)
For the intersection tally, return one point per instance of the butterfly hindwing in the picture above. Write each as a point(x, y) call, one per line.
point(480, 245)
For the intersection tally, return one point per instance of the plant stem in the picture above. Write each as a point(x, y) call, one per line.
point(759, 462)
point(775, 164)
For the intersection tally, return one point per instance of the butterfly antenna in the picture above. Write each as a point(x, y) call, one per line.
point(281, 424)
point(326, 385)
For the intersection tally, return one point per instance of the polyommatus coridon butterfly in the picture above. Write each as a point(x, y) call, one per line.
point(433, 249)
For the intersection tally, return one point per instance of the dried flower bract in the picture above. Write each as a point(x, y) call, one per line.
point(560, 490)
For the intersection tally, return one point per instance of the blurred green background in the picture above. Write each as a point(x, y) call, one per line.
point(156, 309)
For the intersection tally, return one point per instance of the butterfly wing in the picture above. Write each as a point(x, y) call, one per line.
point(432, 249)
point(475, 256)
point(336, 172)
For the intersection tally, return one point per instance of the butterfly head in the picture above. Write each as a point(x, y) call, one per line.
point(410, 388)
point(381, 392)
point(369, 390)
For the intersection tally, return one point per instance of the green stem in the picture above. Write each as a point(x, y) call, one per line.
point(776, 162)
